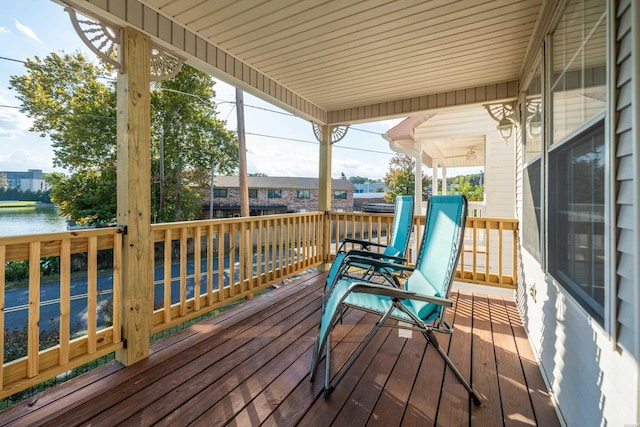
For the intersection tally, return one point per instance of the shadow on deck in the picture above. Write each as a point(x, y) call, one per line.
point(250, 366)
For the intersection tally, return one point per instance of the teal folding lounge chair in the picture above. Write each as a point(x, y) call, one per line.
point(393, 252)
point(422, 301)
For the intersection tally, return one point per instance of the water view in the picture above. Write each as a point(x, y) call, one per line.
point(37, 219)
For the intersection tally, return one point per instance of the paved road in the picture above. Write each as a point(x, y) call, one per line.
point(17, 300)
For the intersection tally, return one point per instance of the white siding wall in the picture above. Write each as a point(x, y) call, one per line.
point(499, 177)
point(594, 381)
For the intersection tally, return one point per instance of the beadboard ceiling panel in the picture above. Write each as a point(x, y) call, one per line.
point(331, 58)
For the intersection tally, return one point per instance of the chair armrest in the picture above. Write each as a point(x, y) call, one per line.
point(399, 294)
point(374, 255)
point(363, 243)
point(377, 263)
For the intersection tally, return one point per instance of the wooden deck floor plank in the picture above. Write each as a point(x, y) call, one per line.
point(345, 339)
point(540, 399)
point(293, 389)
point(484, 375)
point(263, 404)
point(228, 395)
point(422, 407)
point(455, 400)
point(200, 376)
point(370, 384)
point(52, 395)
point(391, 405)
point(324, 411)
point(250, 366)
point(232, 332)
point(516, 404)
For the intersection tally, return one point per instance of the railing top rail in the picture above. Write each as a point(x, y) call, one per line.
point(61, 235)
point(238, 220)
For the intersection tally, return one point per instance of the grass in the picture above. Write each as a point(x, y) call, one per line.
point(17, 204)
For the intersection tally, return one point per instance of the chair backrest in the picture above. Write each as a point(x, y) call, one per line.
point(439, 251)
point(401, 227)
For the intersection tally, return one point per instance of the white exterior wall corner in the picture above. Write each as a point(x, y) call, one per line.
point(593, 371)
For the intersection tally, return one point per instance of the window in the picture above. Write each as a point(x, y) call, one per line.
point(576, 158)
point(253, 193)
point(578, 80)
point(531, 214)
point(340, 194)
point(220, 192)
point(304, 194)
point(576, 217)
point(274, 194)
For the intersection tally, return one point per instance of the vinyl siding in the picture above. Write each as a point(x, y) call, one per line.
point(626, 180)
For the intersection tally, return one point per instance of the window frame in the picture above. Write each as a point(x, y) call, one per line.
point(306, 194)
point(218, 191)
point(274, 193)
point(340, 196)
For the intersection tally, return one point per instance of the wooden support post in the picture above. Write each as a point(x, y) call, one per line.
point(134, 194)
point(324, 192)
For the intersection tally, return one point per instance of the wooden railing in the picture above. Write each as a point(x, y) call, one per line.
point(199, 267)
point(255, 253)
point(490, 245)
point(54, 344)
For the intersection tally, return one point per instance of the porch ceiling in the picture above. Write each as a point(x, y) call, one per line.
point(339, 61)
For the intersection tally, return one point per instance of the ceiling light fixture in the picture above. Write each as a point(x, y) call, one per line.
point(505, 115)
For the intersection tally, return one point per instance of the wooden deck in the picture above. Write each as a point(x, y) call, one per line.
point(249, 366)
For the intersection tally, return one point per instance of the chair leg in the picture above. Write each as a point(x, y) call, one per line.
point(315, 357)
point(330, 387)
point(432, 338)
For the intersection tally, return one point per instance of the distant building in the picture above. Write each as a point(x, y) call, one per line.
point(370, 193)
point(32, 179)
point(274, 195)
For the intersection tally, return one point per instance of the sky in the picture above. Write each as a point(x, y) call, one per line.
point(278, 144)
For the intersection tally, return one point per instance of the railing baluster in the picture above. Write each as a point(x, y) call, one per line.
point(210, 264)
point(197, 267)
point(183, 271)
point(33, 334)
point(259, 252)
point(232, 259)
point(221, 237)
point(487, 251)
point(167, 275)
point(65, 300)
point(92, 294)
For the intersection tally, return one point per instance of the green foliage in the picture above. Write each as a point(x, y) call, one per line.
point(88, 196)
point(26, 195)
point(363, 180)
point(464, 185)
point(400, 180)
point(70, 101)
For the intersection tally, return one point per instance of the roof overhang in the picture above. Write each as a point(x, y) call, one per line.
point(344, 62)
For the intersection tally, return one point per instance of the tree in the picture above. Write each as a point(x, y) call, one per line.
point(464, 185)
point(74, 103)
point(400, 180)
point(363, 180)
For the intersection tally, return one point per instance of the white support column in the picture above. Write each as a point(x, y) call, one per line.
point(444, 180)
point(435, 178)
point(417, 205)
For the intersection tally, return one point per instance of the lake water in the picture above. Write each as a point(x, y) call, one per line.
point(31, 220)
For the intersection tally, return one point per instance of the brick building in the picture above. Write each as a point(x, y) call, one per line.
point(274, 195)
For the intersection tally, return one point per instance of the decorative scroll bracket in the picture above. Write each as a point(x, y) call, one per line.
point(337, 132)
point(104, 41)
